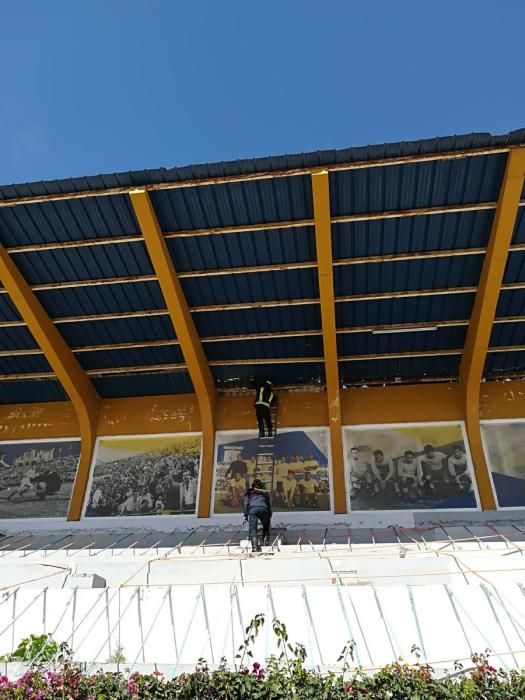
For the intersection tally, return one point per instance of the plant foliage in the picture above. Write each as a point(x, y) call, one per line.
point(285, 677)
point(34, 649)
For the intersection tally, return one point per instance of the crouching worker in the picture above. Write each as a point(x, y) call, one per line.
point(257, 507)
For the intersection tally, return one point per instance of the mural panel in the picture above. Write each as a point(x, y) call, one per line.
point(505, 452)
point(298, 479)
point(408, 466)
point(150, 475)
point(36, 478)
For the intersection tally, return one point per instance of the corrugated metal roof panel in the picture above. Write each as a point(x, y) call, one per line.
point(93, 262)
point(8, 311)
point(67, 220)
point(234, 203)
point(515, 268)
point(416, 185)
point(115, 387)
point(280, 374)
point(508, 334)
point(22, 364)
point(413, 234)
point(102, 299)
point(456, 181)
point(131, 357)
point(405, 368)
point(258, 320)
point(273, 163)
point(119, 330)
point(441, 307)
point(267, 286)
point(519, 228)
point(16, 338)
point(504, 362)
point(369, 344)
point(511, 303)
point(252, 248)
point(306, 346)
point(407, 275)
point(26, 391)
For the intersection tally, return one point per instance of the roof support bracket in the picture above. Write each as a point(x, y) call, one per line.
point(190, 343)
point(484, 312)
point(323, 241)
point(76, 383)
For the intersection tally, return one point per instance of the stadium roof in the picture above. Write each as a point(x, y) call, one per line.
point(410, 225)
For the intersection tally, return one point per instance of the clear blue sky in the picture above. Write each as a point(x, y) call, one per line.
point(92, 86)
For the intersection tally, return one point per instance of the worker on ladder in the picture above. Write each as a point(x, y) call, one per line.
point(264, 399)
point(257, 506)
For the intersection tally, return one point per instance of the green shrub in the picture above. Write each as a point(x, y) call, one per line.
point(284, 678)
point(35, 648)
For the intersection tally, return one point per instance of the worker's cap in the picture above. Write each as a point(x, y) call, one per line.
point(257, 484)
point(268, 382)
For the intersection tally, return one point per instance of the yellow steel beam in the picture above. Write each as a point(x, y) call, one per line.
point(323, 242)
point(187, 336)
point(484, 312)
point(66, 367)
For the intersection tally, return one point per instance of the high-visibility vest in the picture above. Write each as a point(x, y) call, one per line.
point(260, 398)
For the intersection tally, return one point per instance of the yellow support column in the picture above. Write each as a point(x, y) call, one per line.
point(187, 336)
point(484, 312)
point(323, 241)
point(70, 374)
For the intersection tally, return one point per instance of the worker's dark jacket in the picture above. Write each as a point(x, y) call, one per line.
point(257, 499)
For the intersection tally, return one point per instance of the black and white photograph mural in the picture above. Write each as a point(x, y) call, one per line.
point(415, 466)
point(145, 475)
point(36, 478)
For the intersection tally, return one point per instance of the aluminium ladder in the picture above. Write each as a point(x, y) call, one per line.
point(265, 461)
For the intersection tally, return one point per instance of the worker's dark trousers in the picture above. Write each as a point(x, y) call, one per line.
point(253, 517)
point(263, 416)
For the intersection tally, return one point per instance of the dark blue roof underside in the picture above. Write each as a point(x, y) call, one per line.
point(115, 387)
point(34, 391)
point(363, 191)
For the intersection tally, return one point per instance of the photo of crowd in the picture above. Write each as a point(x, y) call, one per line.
point(505, 450)
point(295, 473)
point(408, 467)
point(153, 475)
point(36, 478)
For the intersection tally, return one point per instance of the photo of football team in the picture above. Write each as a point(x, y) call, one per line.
point(408, 467)
point(296, 476)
